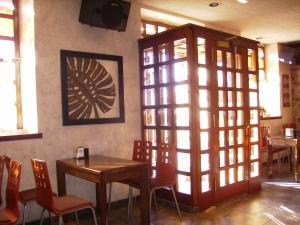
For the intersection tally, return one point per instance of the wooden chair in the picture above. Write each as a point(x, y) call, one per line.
point(25, 196)
point(165, 171)
point(57, 205)
point(142, 152)
point(268, 149)
point(10, 214)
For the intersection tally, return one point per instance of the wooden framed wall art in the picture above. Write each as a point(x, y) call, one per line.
point(91, 88)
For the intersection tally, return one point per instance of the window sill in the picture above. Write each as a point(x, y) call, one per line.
point(271, 118)
point(16, 137)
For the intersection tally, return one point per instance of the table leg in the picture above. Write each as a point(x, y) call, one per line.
point(61, 180)
point(102, 201)
point(61, 183)
point(270, 162)
point(145, 212)
point(295, 162)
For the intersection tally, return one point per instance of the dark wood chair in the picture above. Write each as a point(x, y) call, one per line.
point(270, 150)
point(10, 214)
point(165, 171)
point(142, 152)
point(26, 196)
point(59, 206)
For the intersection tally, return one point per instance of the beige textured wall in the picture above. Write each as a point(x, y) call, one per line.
point(57, 27)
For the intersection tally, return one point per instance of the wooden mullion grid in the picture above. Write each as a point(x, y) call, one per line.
point(7, 16)
point(6, 38)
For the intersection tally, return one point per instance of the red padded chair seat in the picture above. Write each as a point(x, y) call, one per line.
point(69, 203)
point(7, 217)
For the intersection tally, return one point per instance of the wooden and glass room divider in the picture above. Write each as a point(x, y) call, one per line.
point(199, 91)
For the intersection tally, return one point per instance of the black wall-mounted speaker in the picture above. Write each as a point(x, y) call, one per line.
point(109, 14)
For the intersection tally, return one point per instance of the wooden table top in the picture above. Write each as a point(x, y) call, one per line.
point(98, 164)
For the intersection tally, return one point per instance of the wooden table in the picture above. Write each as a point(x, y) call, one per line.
point(293, 144)
point(102, 170)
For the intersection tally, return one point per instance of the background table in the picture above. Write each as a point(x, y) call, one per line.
point(291, 142)
point(101, 170)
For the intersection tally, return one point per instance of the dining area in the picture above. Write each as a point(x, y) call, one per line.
point(139, 173)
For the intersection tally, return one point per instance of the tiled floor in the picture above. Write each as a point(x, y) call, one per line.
point(278, 203)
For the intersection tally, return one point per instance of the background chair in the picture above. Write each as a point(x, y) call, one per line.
point(275, 149)
point(57, 205)
point(165, 171)
point(10, 214)
point(142, 152)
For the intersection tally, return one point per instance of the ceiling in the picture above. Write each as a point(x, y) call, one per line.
point(268, 21)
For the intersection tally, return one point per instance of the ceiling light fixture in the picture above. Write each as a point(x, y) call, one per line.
point(243, 1)
point(214, 4)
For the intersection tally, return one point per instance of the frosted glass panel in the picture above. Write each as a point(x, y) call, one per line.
point(202, 76)
point(182, 116)
point(222, 158)
point(163, 52)
point(240, 138)
point(219, 58)
point(231, 118)
point(201, 50)
point(221, 138)
point(240, 155)
point(239, 99)
point(231, 137)
point(181, 94)
point(253, 99)
point(184, 184)
point(238, 61)
point(203, 98)
point(252, 81)
point(205, 183)
point(148, 56)
point(204, 140)
point(239, 81)
point(183, 162)
point(180, 71)
point(149, 97)
point(164, 74)
point(220, 78)
point(180, 48)
point(222, 178)
point(231, 159)
point(166, 136)
point(240, 173)
point(230, 98)
point(204, 119)
point(240, 117)
point(231, 176)
point(254, 152)
point(150, 135)
point(149, 117)
point(254, 134)
point(222, 118)
point(221, 98)
point(164, 96)
point(165, 116)
point(253, 116)
point(229, 79)
point(183, 139)
point(149, 76)
point(254, 169)
point(7, 27)
point(205, 163)
point(229, 59)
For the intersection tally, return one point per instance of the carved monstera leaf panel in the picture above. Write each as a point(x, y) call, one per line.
point(91, 88)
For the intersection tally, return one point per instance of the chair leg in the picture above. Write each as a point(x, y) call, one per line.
point(24, 213)
point(150, 204)
point(60, 220)
point(129, 209)
point(109, 197)
point(42, 217)
point(155, 202)
point(175, 199)
point(50, 217)
point(76, 218)
point(94, 215)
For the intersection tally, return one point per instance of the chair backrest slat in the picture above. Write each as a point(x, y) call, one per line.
point(43, 185)
point(142, 152)
point(12, 189)
point(166, 162)
point(264, 132)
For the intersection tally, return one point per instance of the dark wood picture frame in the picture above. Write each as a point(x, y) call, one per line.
point(88, 89)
